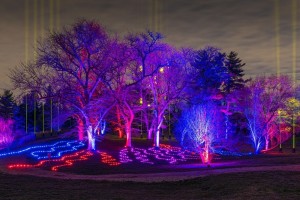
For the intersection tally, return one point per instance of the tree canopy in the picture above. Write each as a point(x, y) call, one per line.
point(103, 80)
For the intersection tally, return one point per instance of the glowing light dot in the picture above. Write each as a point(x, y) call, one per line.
point(161, 70)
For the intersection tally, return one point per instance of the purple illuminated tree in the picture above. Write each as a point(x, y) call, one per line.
point(151, 58)
point(165, 88)
point(77, 64)
point(6, 132)
point(124, 87)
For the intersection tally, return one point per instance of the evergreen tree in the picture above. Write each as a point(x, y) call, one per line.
point(236, 73)
point(209, 73)
point(7, 105)
point(20, 117)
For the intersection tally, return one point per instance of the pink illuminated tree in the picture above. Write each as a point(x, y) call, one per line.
point(147, 53)
point(263, 98)
point(125, 96)
point(6, 132)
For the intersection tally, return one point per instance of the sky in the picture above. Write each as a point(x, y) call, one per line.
point(264, 37)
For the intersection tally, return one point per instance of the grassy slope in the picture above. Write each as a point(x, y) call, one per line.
point(259, 185)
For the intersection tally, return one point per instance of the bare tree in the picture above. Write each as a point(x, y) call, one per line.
point(197, 128)
point(145, 52)
point(263, 98)
point(165, 87)
point(77, 64)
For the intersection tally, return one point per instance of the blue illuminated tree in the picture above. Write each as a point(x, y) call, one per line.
point(252, 111)
point(209, 73)
point(197, 127)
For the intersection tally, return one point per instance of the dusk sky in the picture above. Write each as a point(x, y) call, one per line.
point(247, 27)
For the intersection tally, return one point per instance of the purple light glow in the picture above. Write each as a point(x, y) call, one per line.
point(167, 153)
point(6, 135)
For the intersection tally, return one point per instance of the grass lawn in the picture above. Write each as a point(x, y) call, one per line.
point(112, 145)
point(249, 185)
point(258, 185)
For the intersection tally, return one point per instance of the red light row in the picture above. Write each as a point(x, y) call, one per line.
point(108, 159)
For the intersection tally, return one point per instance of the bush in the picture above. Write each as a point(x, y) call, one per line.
point(6, 132)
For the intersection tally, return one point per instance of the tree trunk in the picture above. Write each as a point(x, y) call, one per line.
point(257, 145)
point(267, 137)
point(267, 143)
point(119, 125)
point(150, 131)
point(128, 118)
point(157, 132)
point(128, 134)
point(91, 138)
point(80, 129)
point(156, 138)
point(226, 122)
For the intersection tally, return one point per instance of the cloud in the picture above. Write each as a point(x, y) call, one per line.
point(247, 27)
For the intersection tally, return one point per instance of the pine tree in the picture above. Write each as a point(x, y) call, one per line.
point(7, 105)
point(20, 117)
point(209, 73)
point(236, 73)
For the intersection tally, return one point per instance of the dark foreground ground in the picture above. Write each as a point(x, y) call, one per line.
point(255, 185)
point(231, 185)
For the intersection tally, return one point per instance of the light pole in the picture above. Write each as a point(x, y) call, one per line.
point(26, 114)
point(280, 139)
point(294, 134)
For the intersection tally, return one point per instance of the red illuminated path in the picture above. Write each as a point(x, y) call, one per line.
point(197, 171)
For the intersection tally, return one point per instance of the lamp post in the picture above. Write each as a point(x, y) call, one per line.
point(43, 104)
point(51, 128)
point(34, 114)
point(280, 138)
point(26, 114)
point(294, 134)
